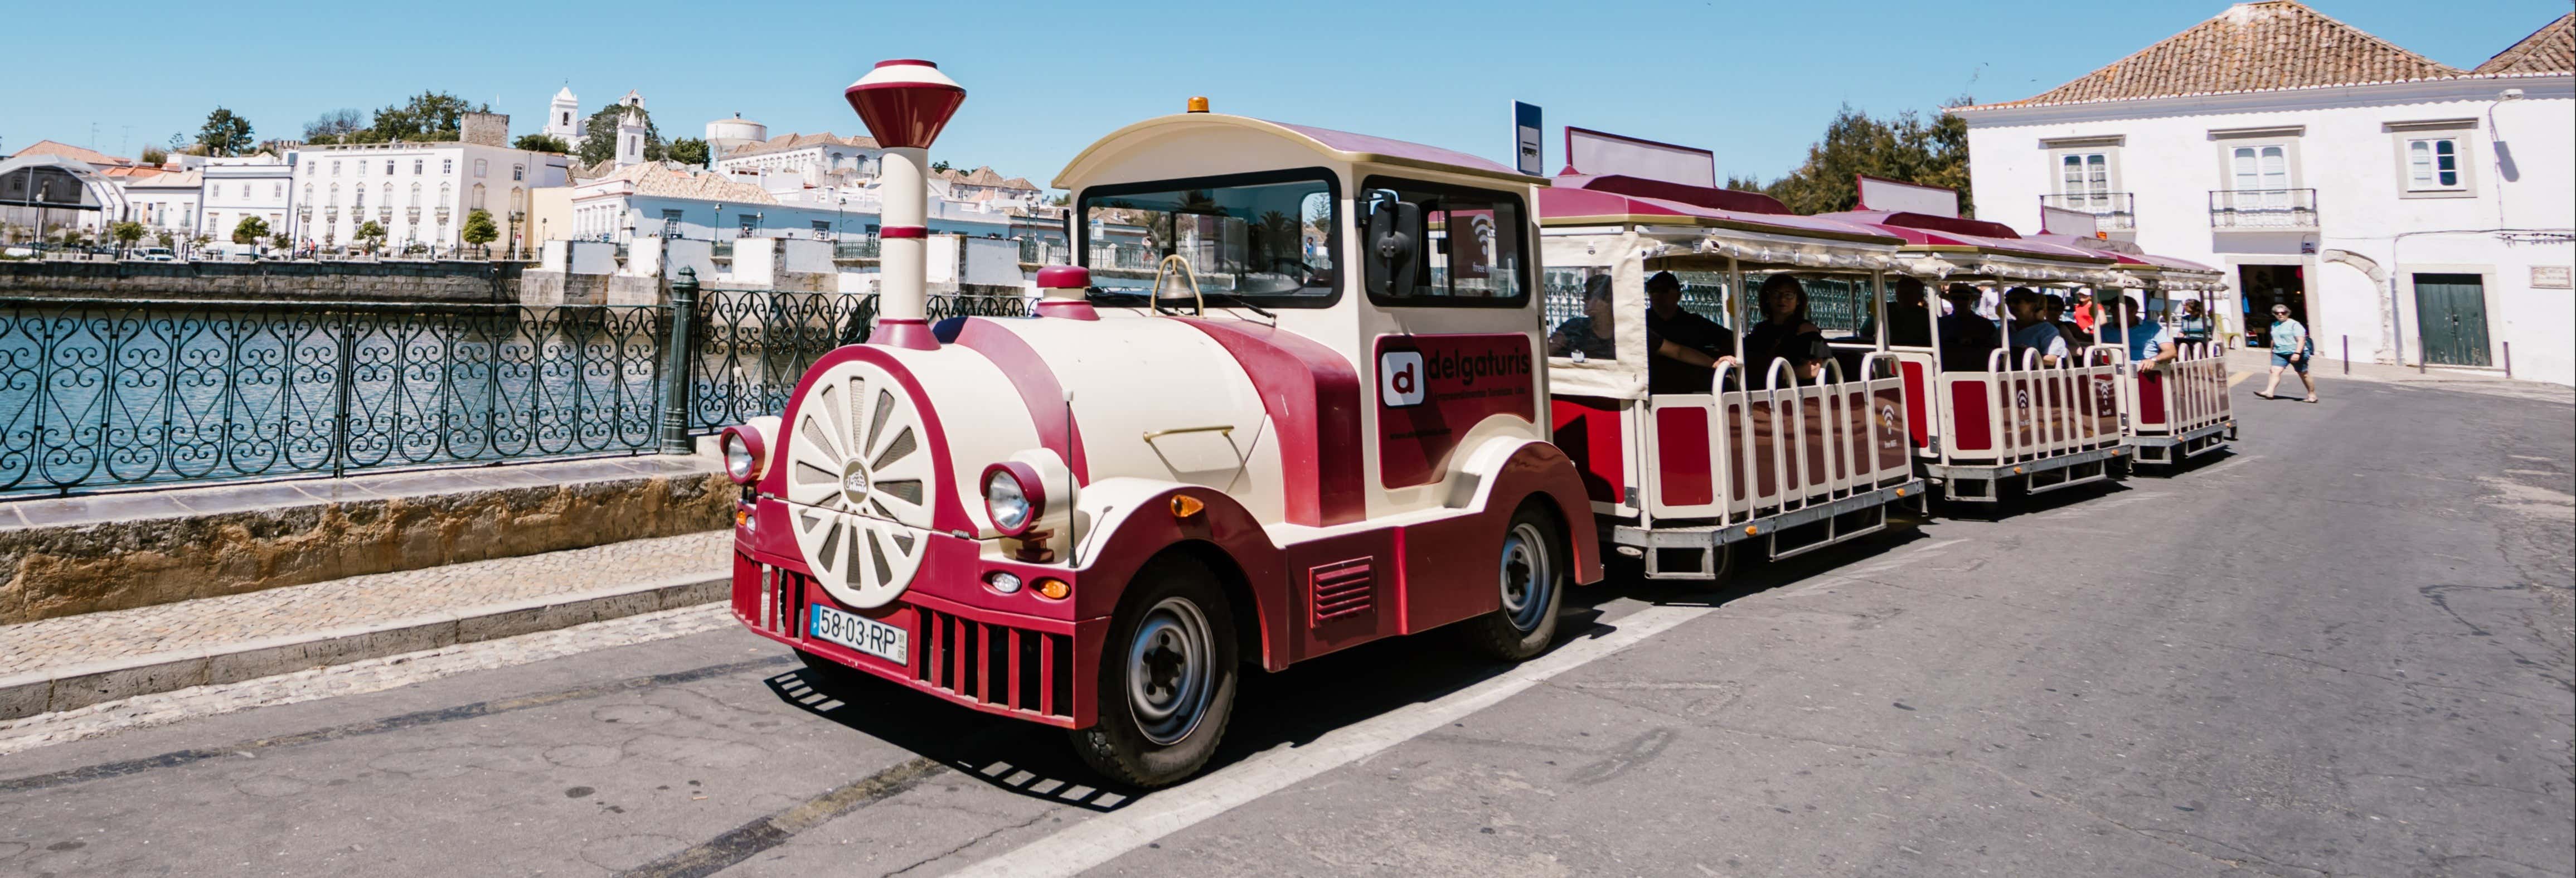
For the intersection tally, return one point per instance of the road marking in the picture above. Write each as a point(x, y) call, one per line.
point(1092, 842)
point(750, 839)
point(2238, 378)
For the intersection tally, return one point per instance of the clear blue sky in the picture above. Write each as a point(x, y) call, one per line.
point(1755, 81)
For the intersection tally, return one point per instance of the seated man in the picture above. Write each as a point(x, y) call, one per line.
point(2076, 338)
point(1909, 317)
point(1591, 336)
point(1966, 338)
point(2149, 346)
point(1686, 347)
point(2031, 331)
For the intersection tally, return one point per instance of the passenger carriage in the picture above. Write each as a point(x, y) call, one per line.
point(2181, 409)
point(1992, 420)
point(1762, 457)
point(1318, 423)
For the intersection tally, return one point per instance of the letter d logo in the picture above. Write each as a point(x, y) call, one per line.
point(1399, 377)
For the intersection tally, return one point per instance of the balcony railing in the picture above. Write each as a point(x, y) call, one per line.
point(855, 247)
point(2112, 211)
point(2263, 209)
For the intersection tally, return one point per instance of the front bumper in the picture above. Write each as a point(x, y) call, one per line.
point(1023, 666)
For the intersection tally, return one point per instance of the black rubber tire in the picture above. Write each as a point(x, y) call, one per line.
point(1494, 635)
point(1117, 746)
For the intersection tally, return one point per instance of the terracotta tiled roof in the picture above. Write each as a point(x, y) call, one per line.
point(2551, 49)
point(2262, 46)
point(652, 178)
point(786, 142)
point(78, 154)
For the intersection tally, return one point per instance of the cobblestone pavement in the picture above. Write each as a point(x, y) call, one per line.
point(357, 600)
point(371, 675)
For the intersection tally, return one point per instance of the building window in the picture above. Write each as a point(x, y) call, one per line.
point(446, 167)
point(2263, 171)
point(670, 223)
point(518, 172)
point(2433, 163)
point(389, 167)
point(415, 167)
point(479, 167)
point(747, 223)
point(335, 167)
point(361, 203)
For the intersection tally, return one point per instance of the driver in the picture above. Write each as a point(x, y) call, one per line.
point(1687, 347)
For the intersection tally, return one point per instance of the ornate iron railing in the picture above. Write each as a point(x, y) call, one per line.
point(2112, 211)
point(97, 394)
point(753, 345)
point(100, 393)
point(2264, 209)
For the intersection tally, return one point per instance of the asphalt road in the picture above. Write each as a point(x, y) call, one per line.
point(2343, 649)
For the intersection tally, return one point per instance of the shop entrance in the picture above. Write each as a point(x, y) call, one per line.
point(2262, 286)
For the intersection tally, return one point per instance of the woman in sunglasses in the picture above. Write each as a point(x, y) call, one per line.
point(2290, 350)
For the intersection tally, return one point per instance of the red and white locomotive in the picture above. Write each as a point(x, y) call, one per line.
point(1333, 434)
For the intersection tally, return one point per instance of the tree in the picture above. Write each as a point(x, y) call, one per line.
point(334, 126)
point(688, 151)
point(1933, 153)
point(601, 144)
point(224, 133)
point(429, 116)
point(163, 238)
point(153, 155)
point(126, 233)
point(478, 229)
point(250, 230)
point(371, 233)
point(541, 143)
point(939, 167)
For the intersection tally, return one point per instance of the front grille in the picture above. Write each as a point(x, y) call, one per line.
point(1347, 588)
point(776, 601)
point(997, 665)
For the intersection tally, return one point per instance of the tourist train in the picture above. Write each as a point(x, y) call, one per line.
point(1375, 388)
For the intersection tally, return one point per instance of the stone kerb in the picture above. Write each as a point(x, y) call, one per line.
point(59, 557)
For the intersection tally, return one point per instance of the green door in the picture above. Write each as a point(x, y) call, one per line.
point(2451, 314)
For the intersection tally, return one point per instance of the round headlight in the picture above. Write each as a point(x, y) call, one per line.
point(740, 463)
point(1012, 497)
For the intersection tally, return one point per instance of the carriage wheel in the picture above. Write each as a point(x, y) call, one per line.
point(1532, 580)
point(1167, 678)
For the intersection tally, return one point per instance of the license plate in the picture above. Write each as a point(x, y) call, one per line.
point(861, 633)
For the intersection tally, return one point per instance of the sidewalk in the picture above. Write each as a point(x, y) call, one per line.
point(2256, 366)
point(74, 661)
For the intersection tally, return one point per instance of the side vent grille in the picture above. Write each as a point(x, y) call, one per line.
point(1343, 589)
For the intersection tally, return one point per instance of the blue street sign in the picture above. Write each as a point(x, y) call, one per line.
point(1533, 160)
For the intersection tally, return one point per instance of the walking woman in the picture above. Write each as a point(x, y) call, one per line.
point(2290, 350)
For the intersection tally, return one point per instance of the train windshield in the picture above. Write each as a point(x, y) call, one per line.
point(1268, 235)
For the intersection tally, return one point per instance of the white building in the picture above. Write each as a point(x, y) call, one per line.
point(249, 186)
point(810, 156)
point(166, 202)
point(2419, 209)
point(419, 192)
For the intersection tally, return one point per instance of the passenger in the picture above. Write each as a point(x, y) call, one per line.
point(1966, 339)
point(1591, 336)
point(2076, 338)
point(1688, 348)
point(2149, 346)
point(2031, 331)
point(1909, 319)
point(1785, 333)
point(2193, 326)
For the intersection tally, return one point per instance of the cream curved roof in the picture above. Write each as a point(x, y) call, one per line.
point(1342, 146)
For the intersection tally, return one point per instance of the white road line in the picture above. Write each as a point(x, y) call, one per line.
point(1103, 838)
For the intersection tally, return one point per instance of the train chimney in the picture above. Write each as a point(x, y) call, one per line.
point(905, 103)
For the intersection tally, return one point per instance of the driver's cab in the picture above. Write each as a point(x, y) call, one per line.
point(1381, 294)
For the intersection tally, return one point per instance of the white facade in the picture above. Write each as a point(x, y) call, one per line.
point(810, 157)
point(166, 202)
point(419, 192)
point(253, 186)
point(2336, 199)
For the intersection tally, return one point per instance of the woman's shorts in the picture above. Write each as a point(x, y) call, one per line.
point(2280, 360)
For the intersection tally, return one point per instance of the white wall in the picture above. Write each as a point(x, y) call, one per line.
point(2169, 159)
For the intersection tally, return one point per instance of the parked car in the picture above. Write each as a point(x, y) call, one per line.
point(156, 254)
